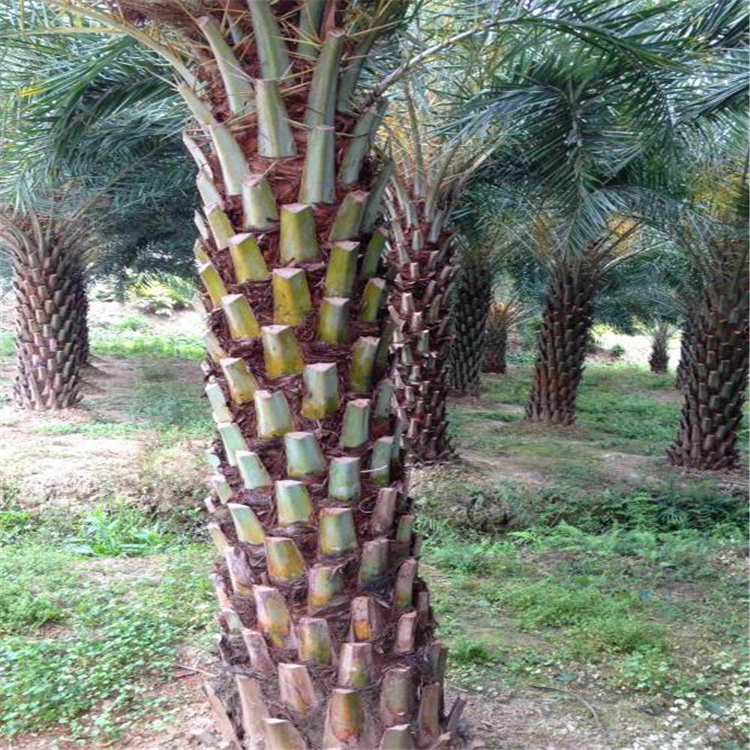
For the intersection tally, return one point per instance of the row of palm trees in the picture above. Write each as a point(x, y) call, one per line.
point(335, 147)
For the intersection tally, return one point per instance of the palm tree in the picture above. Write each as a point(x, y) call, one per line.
point(472, 296)
point(660, 332)
point(715, 370)
point(57, 211)
point(506, 312)
point(48, 258)
point(431, 171)
point(326, 627)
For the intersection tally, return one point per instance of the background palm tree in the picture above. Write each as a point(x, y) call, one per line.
point(67, 178)
point(715, 360)
point(507, 311)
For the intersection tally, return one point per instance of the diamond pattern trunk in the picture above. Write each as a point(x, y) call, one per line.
point(680, 377)
point(496, 347)
point(658, 360)
point(51, 327)
point(471, 304)
point(326, 627)
point(420, 307)
point(715, 379)
point(568, 317)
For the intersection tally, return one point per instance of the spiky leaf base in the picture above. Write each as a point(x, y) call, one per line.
point(51, 328)
point(471, 304)
point(420, 308)
point(680, 376)
point(715, 377)
point(327, 629)
point(568, 317)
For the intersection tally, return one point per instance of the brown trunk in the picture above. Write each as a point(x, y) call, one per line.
point(420, 309)
point(715, 378)
point(471, 305)
point(495, 350)
point(568, 317)
point(51, 328)
point(327, 630)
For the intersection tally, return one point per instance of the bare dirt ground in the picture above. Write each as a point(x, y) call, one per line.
point(83, 456)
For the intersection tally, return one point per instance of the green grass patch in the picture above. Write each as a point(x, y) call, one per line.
point(170, 406)
point(82, 640)
point(119, 341)
point(132, 337)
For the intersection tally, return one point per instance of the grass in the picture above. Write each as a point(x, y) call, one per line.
point(556, 602)
point(561, 558)
point(579, 558)
point(132, 337)
point(83, 640)
point(620, 407)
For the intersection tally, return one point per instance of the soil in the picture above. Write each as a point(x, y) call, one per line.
point(69, 468)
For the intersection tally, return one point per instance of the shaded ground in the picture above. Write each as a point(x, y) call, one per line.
point(580, 613)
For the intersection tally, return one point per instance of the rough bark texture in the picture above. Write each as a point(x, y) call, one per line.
point(420, 307)
point(51, 327)
point(471, 305)
point(495, 349)
point(568, 317)
point(658, 360)
point(327, 630)
point(680, 377)
point(715, 378)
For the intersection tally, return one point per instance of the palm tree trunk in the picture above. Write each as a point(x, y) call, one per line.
point(327, 629)
point(715, 379)
point(51, 327)
point(495, 349)
point(471, 305)
point(566, 323)
point(419, 306)
point(658, 361)
point(680, 378)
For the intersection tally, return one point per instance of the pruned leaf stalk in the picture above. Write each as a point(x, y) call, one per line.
point(321, 608)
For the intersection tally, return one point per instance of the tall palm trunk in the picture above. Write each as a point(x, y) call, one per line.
point(471, 306)
point(567, 321)
point(680, 377)
point(50, 316)
point(420, 305)
point(716, 370)
point(327, 630)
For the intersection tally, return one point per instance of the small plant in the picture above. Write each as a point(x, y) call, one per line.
point(617, 351)
point(162, 294)
point(471, 652)
point(133, 323)
point(123, 531)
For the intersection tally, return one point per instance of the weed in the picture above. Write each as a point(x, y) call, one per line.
point(467, 651)
point(122, 531)
point(121, 635)
point(645, 669)
point(474, 559)
point(133, 323)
